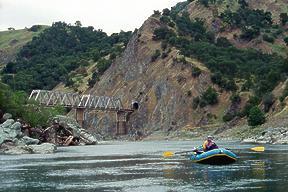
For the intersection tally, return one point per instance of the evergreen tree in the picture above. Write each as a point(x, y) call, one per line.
point(256, 116)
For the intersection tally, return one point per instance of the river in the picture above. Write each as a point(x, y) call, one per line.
point(139, 166)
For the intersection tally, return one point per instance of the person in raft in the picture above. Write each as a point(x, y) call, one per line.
point(209, 144)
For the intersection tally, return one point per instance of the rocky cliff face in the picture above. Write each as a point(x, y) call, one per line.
point(164, 88)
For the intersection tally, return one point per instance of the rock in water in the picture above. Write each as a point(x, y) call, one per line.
point(43, 148)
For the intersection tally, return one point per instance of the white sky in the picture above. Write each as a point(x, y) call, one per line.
point(109, 15)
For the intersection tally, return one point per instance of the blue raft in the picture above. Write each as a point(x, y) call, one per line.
point(219, 156)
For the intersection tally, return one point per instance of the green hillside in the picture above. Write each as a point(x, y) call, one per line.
point(50, 57)
point(13, 40)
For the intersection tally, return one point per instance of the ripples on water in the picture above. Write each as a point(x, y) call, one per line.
point(128, 167)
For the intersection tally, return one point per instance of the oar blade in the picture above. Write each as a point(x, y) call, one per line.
point(168, 154)
point(258, 149)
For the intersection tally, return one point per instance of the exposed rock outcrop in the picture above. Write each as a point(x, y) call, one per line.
point(161, 87)
point(270, 136)
point(71, 125)
point(64, 131)
point(44, 148)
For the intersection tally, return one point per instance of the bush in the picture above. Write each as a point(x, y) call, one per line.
point(250, 33)
point(223, 42)
point(17, 104)
point(204, 2)
point(268, 38)
point(252, 102)
point(268, 101)
point(210, 96)
point(256, 116)
point(284, 18)
point(35, 28)
point(286, 40)
point(156, 54)
point(163, 33)
point(228, 117)
point(165, 19)
point(195, 71)
point(235, 98)
point(166, 12)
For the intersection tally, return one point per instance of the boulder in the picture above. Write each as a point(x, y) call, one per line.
point(277, 135)
point(10, 130)
point(17, 150)
point(77, 131)
point(29, 141)
point(7, 116)
point(43, 148)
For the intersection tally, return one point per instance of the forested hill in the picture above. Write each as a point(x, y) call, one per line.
point(51, 57)
point(12, 41)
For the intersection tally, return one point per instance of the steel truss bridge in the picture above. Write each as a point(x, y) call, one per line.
point(84, 102)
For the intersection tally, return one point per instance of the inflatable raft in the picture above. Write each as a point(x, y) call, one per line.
point(219, 156)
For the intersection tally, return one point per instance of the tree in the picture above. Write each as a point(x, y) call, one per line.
point(243, 3)
point(286, 40)
point(268, 101)
point(210, 96)
point(156, 13)
point(166, 12)
point(204, 2)
point(78, 24)
point(284, 18)
point(156, 54)
point(256, 116)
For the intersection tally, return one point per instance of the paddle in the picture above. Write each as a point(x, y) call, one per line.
point(170, 153)
point(258, 149)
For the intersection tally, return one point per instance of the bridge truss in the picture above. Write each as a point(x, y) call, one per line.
point(84, 102)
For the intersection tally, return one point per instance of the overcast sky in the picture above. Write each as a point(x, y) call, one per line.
point(109, 15)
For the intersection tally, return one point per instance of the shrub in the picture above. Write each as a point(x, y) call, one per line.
point(268, 101)
point(204, 2)
point(235, 98)
point(268, 38)
point(228, 117)
point(223, 42)
point(156, 54)
point(284, 18)
point(195, 102)
point(210, 96)
point(250, 33)
point(166, 12)
point(252, 102)
point(17, 104)
point(165, 19)
point(195, 71)
point(163, 33)
point(286, 40)
point(35, 28)
point(256, 116)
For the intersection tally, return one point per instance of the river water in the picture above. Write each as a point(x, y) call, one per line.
point(139, 166)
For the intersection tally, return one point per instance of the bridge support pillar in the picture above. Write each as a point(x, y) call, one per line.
point(121, 121)
point(80, 116)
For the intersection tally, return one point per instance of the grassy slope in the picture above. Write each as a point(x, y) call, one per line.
point(12, 41)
